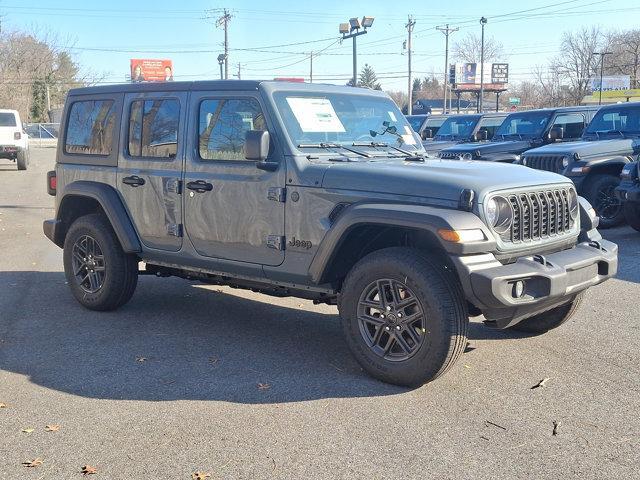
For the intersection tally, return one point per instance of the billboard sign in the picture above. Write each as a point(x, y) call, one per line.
point(468, 74)
point(611, 82)
point(150, 70)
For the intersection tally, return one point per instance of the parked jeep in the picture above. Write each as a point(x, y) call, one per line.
point(459, 129)
point(595, 162)
point(429, 126)
point(628, 192)
point(319, 192)
point(522, 131)
point(14, 142)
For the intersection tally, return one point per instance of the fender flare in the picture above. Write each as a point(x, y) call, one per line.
point(112, 206)
point(605, 162)
point(419, 217)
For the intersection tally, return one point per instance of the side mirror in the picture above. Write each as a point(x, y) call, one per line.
point(427, 133)
point(256, 147)
point(556, 133)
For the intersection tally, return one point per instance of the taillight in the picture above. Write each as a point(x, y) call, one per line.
point(17, 136)
point(52, 182)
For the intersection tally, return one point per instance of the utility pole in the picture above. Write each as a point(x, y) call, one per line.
point(238, 74)
point(483, 22)
point(223, 22)
point(410, 24)
point(446, 31)
point(311, 68)
point(602, 55)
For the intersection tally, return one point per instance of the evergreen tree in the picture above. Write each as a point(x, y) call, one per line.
point(368, 78)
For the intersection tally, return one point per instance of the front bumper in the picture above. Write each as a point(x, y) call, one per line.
point(549, 280)
point(628, 191)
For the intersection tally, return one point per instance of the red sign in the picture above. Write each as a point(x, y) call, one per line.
point(147, 70)
point(290, 79)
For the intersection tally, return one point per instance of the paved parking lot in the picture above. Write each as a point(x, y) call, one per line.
point(190, 377)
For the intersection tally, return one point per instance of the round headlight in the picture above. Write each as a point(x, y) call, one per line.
point(574, 207)
point(467, 156)
point(524, 161)
point(499, 214)
point(565, 162)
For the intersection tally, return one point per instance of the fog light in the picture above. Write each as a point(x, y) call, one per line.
point(518, 289)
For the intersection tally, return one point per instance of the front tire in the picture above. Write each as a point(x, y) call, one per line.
point(101, 276)
point(22, 159)
point(404, 316)
point(632, 214)
point(601, 194)
point(543, 322)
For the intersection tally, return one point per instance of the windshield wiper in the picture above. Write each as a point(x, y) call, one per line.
point(408, 156)
point(333, 145)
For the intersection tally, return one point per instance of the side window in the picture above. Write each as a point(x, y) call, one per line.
point(223, 124)
point(490, 125)
point(573, 124)
point(153, 128)
point(90, 127)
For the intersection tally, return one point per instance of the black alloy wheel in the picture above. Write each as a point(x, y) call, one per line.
point(88, 264)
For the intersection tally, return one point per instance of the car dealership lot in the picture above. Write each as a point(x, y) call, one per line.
point(193, 377)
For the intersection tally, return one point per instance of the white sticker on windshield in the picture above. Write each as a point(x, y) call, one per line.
point(392, 116)
point(408, 140)
point(315, 115)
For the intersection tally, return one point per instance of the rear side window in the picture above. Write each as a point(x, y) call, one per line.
point(223, 125)
point(7, 119)
point(90, 127)
point(153, 128)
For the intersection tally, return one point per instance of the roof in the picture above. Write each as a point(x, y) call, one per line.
point(217, 85)
point(618, 106)
point(7, 110)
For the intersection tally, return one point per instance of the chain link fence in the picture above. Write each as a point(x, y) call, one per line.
point(42, 134)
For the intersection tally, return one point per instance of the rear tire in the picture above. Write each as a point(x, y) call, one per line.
point(22, 159)
point(601, 195)
point(632, 214)
point(416, 330)
point(543, 322)
point(101, 276)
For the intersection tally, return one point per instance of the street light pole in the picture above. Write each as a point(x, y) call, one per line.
point(352, 30)
point(483, 22)
point(602, 55)
point(446, 31)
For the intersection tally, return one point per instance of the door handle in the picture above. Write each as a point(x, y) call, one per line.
point(133, 181)
point(200, 186)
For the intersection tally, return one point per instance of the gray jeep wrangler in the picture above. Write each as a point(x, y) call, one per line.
point(319, 192)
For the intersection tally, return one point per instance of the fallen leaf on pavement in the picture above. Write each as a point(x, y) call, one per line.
point(36, 462)
point(264, 386)
point(89, 470)
point(556, 425)
point(213, 360)
point(141, 359)
point(52, 428)
point(27, 430)
point(541, 383)
point(3, 405)
point(200, 475)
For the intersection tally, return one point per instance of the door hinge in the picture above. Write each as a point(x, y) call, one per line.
point(277, 194)
point(174, 229)
point(174, 186)
point(276, 242)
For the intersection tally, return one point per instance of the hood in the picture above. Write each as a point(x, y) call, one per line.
point(436, 145)
point(590, 148)
point(439, 180)
point(507, 146)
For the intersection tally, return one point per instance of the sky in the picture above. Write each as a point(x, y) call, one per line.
point(274, 39)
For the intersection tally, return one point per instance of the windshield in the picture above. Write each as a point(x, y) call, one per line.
point(314, 118)
point(458, 127)
point(616, 121)
point(415, 121)
point(7, 119)
point(525, 125)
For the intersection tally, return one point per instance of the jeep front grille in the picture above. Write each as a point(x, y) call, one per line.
point(539, 215)
point(450, 155)
point(550, 163)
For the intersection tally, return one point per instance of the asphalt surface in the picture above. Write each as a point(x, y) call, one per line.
point(169, 384)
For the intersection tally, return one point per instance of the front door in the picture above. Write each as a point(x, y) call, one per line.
point(150, 166)
point(233, 210)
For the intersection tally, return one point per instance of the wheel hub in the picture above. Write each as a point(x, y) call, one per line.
point(88, 264)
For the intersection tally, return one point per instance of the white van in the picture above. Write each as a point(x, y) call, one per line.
point(14, 142)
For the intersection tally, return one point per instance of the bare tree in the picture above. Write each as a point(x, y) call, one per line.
point(468, 49)
point(400, 98)
point(626, 55)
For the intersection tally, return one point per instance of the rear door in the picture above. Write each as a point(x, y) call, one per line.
point(150, 166)
point(8, 128)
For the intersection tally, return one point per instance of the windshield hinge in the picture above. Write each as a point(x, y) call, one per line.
point(277, 194)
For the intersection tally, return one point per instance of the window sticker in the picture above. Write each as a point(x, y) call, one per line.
point(392, 116)
point(315, 115)
point(408, 140)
